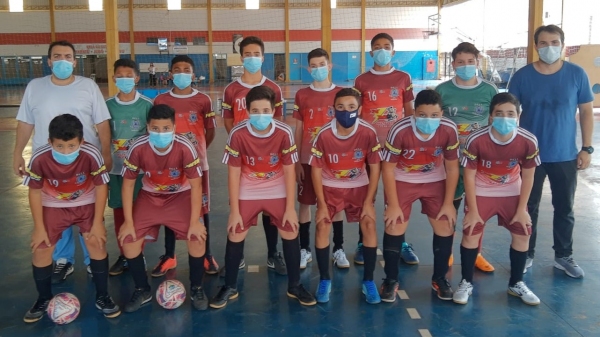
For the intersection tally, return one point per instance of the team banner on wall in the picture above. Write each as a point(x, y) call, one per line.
point(96, 49)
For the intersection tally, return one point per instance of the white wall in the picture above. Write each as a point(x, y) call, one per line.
point(305, 19)
point(241, 19)
point(26, 22)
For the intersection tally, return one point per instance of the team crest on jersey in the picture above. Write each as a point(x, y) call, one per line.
point(193, 117)
point(135, 124)
point(80, 178)
point(358, 155)
point(512, 163)
point(330, 111)
point(479, 109)
point(438, 151)
point(174, 173)
point(274, 159)
point(384, 114)
point(394, 93)
point(204, 200)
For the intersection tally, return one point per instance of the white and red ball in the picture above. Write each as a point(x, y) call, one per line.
point(63, 308)
point(170, 294)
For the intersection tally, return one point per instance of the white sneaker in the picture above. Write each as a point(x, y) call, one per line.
point(528, 264)
point(461, 295)
point(521, 290)
point(305, 258)
point(89, 269)
point(340, 260)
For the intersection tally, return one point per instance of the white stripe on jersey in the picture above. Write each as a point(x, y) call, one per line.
point(147, 99)
point(223, 100)
point(325, 127)
point(37, 153)
point(141, 140)
point(95, 153)
point(475, 134)
point(288, 130)
point(528, 135)
point(397, 127)
point(464, 161)
point(183, 140)
point(236, 128)
point(490, 83)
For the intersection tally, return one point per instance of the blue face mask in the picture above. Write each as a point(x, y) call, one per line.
point(382, 57)
point(504, 125)
point(161, 140)
point(347, 119)
point(182, 81)
point(261, 121)
point(125, 84)
point(319, 74)
point(62, 69)
point(466, 72)
point(427, 125)
point(550, 54)
point(65, 159)
point(252, 64)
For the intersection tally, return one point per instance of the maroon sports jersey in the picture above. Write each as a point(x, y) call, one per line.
point(234, 99)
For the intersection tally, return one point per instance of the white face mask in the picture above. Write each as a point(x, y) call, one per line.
point(550, 54)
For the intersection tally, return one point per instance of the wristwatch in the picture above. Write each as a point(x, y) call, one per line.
point(587, 149)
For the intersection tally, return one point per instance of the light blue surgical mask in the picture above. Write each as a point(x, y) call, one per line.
point(504, 125)
point(319, 74)
point(382, 57)
point(62, 69)
point(160, 140)
point(65, 159)
point(427, 125)
point(550, 54)
point(182, 80)
point(252, 64)
point(466, 72)
point(125, 84)
point(261, 121)
point(347, 119)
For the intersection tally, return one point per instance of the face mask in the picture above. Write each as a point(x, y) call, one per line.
point(466, 72)
point(504, 125)
point(160, 140)
point(319, 74)
point(427, 125)
point(252, 64)
point(550, 54)
point(65, 159)
point(260, 121)
point(347, 119)
point(182, 81)
point(382, 57)
point(62, 69)
point(125, 84)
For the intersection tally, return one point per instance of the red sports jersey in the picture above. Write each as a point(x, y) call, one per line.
point(193, 114)
point(166, 172)
point(383, 96)
point(314, 107)
point(234, 99)
point(261, 158)
point(344, 158)
point(420, 160)
point(70, 185)
point(499, 164)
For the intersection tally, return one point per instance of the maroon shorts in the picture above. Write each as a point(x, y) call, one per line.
point(503, 207)
point(249, 210)
point(306, 191)
point(205, 193)
point(431, 196)
point(56, 220)
point(350, 200)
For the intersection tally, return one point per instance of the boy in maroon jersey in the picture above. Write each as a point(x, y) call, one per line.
point(420, 163)
point(340, 153)
point(260, 155)
point(499, 162)
point(171, 195)
point(67, 183)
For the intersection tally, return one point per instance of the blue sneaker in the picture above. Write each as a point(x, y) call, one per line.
point(370, 290)
point(323, 291)
point(358, 255)
point(408, 254)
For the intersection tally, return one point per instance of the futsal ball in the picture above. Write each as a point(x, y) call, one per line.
point(170, 294)
point(63, 308)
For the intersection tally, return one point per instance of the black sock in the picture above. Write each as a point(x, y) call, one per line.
point(100, 273)
point(391, 254)
point(517, 265)
point(291, 254)
point(323, 262)
point(442, 249)
point(467, 260)
point(304, 235)
point(43, 283)
point(234, 252)
point(370, 254)
point(137, 268)
point(338, 235)
point(169, 242)
point(196, 270)
point(207, 244)
point(456, 203)
point(360, 236)
point(271, 234)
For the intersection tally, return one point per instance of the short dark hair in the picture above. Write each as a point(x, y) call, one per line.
point(465, 47)
point(349, 92)
point(552, 29)
point(161, 111)
point(428, 97)
point(65, 127)
point(252, 40)
point(319, 52)
point(63, 43)
point(182, 58)
point(382, 36)
point(505, 97)
point(126, 63)
point(259, 93)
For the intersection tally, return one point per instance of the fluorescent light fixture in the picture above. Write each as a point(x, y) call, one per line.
point(15, 5)
point(252, 4)
point(95, 5)
point(174, 5)
point(333, 3)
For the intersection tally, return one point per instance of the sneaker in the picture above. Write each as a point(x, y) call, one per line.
point(340, 260)
point(461, 295)
point(210, 265)
point(277, 263)
point(521, 290)
point(119, 267)
point(528, 264)
point(407, 254)
point(62, 269)
point(222, 271)
point(443, 289)
point(388, 290)
point(451, 260)
point(482, 264)
point(569, 266)
point(304, 297)
point(140, 297)
point(89, 270)
point(358, 255)
point(225, 294)
point(107, 306)
point(370, 290)
point(199, 299)
point(323, 290)
point(165, 264)
point(37, 311)
point(305, 258)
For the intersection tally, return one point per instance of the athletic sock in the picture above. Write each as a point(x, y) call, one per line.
point(234, 251)
point(137, 268)
point(323, 262)
point(467, 260)
point(291, 254)
point(517, 265)
point(338, 235)
point(207, 244)
point(169, 242)
point(360, 235)
point(442, 249)
point(119, 218)
point(370, 254)
point(43, 281)
point(196, 270)
point(391, 254)
point(271, 234)
point(100, 275)
point(304, 235)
